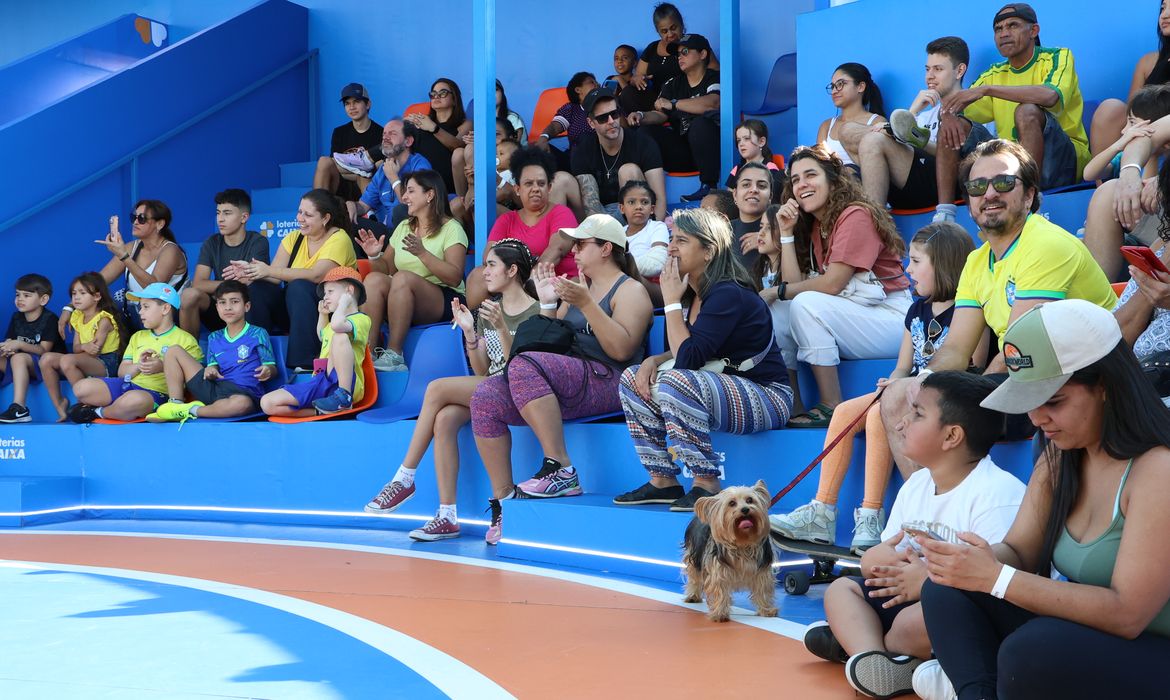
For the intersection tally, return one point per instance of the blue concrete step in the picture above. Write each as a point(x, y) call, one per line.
point(284, 200)
point(676, 187)
point(24, 499)
point(298, 175)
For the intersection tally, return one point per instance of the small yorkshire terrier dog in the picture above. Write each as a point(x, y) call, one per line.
point(726, 549)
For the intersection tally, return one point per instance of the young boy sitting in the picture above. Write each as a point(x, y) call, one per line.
point(239, 361)
point(344, 332)
point(875, 624)
point(140, 385)
point(31, 333)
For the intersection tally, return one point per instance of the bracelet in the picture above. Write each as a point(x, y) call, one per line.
point(544, 136)
point(641, 115)
point(787, 239)
point(548, 307)
point(471, 346)
point(999, 590)
point(782, 291)
point(67, 309)
point(372, 258)
point(671, 307)
point(395, 184)
point(924, 371)
point(1129, 165)
point(123, 258)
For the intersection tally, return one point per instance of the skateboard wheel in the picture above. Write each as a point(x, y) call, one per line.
point(796, 582)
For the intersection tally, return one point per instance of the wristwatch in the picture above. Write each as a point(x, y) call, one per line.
point(674, 104)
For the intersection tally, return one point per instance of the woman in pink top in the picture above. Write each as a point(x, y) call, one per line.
point(853, 301)
point(536, 224)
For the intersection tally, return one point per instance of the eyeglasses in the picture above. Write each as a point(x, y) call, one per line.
point(140, 218)
point(1001, 183)
point(604, 118)
point(436, 94)
point(933, 330)
point(838, 85)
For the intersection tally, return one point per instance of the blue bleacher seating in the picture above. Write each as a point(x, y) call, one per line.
point(780, 95)
point(432, 352)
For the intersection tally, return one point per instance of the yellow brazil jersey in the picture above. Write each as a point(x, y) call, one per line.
point(1051, 68)
point(87, 331)
point(145, 340)
point(361, 335)
point(1044, 262)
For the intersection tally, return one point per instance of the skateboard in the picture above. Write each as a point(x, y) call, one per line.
point(824, 558)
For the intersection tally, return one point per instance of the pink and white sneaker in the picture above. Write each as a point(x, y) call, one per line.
point(495, 531)
point(437, 528)
point(392, 495)
point(552, 481)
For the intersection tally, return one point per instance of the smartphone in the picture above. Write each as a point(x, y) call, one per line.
point(320, 365)
point(916, 531)
point(1144, 259)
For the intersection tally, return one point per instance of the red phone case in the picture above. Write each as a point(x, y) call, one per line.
point(1143, 259)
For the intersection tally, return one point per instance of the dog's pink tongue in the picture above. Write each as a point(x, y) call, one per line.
point(745, 524)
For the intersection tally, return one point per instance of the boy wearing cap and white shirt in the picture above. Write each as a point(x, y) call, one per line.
point(1034, 97)
point(141, 384)
point(346, 172)
point(685, 119)
point(1095, 511)
point(610, 156)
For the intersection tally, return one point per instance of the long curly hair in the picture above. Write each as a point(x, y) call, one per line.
point(844, 191)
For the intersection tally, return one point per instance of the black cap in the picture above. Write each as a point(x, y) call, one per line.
point(592, 98)
point(691, 41)
point(1015, 9)
point(355, 90)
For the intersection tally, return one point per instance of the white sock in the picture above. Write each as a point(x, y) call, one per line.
point(448, 512)
point(193, 411)
point(98, 411)
point(404, 476)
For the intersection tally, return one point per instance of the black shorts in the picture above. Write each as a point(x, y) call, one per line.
point(449, 295)
point(921, 188)
point(886, 615)
point(209, 392)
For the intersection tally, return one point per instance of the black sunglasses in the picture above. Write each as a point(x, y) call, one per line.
point(1001, 183)
point(604, 118)
point(933, 330)
point(140, 218)
point(436, 94)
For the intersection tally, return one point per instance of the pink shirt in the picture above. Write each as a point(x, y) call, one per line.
point(536, 237)
point(855, 242)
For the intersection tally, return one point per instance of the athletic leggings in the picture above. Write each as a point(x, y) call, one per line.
point(582, 387)
point(991, 649)
point(691, 404)
point(877, 452)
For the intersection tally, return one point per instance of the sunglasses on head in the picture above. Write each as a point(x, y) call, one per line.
point(604, 118)
point(1002, 183)
point(140, 218)
point(685, 51)
point(933, 330)
point(436, 94)
point(838, 85)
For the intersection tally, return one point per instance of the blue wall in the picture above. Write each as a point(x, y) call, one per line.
point(1106, 43)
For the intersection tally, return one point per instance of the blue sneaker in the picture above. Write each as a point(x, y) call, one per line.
point(339, 400)
point(697, 195)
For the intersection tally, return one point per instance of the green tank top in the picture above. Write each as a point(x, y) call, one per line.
point(1091, 563)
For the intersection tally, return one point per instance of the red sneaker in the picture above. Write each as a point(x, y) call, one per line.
point(393, 495)
point(438, 528)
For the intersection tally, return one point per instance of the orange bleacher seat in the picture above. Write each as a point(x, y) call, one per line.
point(778, 160)
point(363, 267)
point(1119, 287)
point(547, 105)
point(369, 377)
point(418, 108)
point(115, 421)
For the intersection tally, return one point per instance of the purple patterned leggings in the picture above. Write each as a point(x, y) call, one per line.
point(582, 387)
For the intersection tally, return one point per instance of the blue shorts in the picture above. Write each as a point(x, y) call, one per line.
point(6, 376)
point(111, 360)
point(319, 386)
point(118, 387)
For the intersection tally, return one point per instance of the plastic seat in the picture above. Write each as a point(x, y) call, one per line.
point(778, 160)
point(1119, 287)
point(115, 421)
point(363, 268)
point(547, 104)
point(432, 352)
point(370, 379)
point(418, 108)
point(780, 95)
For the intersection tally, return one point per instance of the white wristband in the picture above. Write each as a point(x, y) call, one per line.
point(924, 371)
point(548, 307)
point(671, 307)
point(66, 309)
point(1128, 165)
point(395, 184)
point(787, 239)
point(999, 590)
point(544, 136)
point(378, 256)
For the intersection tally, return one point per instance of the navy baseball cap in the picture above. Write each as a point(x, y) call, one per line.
point(355, 90)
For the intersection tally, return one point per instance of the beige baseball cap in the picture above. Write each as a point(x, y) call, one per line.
point(603, 227)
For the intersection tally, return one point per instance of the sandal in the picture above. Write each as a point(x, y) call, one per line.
point(817, 417)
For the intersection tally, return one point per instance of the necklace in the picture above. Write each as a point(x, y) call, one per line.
point(608, 168)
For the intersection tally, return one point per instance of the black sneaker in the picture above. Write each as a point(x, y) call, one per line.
point(880, 674)
point(82, 413)
point(822, 643)
point(697, 195)
point(686, 504)
point(649, 493)
point(15, 414)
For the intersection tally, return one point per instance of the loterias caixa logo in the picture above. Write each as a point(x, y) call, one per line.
point(278, 229)
point(11, 448)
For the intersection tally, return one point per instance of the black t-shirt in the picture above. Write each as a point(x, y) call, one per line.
point(38, 331)
point(739, 227)
point(346, 138)
point(439, 156)
point(679, 88)
point(217, 254)
point(659, 68)
point(588, 159)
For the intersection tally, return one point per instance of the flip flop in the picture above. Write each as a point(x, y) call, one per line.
point(817, 417)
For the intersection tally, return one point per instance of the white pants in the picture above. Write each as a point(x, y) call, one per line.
point(820, 329)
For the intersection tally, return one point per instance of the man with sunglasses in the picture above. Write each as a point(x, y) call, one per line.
point(1025, 261)
point(685, 119)
point(610, 156)
point(1034, 97)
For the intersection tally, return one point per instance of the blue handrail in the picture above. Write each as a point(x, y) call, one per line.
point(132, 157)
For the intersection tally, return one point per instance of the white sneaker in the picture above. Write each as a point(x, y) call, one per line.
point(905, 129)
point(867, 528)
point(389, 361)
point(357, 163)
point(944, 213)
point(930, 683)
point(814, 522)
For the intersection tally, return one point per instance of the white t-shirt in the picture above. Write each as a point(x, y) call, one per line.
point(985, 503)
point(654, 232)
point(928, 119)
